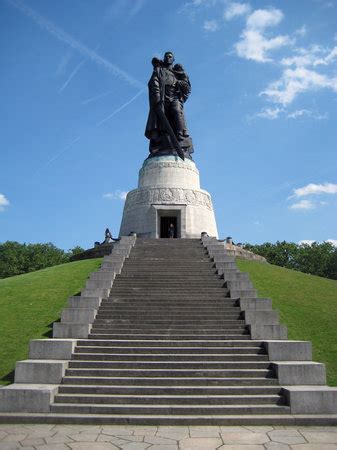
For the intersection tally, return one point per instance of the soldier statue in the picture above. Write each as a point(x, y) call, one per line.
point(169, 88)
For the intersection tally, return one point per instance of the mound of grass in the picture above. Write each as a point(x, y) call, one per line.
point(30, 303)
point(307, 305)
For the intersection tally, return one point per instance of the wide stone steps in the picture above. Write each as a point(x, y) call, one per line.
point(197, 322)
point(185, 364)
point(159, 343)
point(130, 372)
point(166, 390)
point(169, 336)
point(77, 379)
point(145, 357)
point(148, 399)
point(168, 409)
point(169, 346)
point(234, 352)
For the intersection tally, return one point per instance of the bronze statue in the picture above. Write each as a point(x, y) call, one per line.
point(169, 88)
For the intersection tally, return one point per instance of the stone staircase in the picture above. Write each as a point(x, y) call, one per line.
point(169, 332)
point(169, 341)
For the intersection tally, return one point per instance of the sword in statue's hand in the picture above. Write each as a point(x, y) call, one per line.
point(168, 128)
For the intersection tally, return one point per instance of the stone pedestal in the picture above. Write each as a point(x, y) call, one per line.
point(168, 192)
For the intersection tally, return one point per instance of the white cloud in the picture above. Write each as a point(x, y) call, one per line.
point(310, 242)
point(253, 43)
point(235, 10)
point(264, 18)
point(315, 189)
point(301, 31)
point(211, 25)
point(3, 202)
point(296, 81)
point(117, 195)
point(270, 113)
point(306, 242)
point(314, 56)
point(306, 113)
point(303, 205)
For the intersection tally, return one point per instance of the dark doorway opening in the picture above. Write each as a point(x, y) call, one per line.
point(165, 223)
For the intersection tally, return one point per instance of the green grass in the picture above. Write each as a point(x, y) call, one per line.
point(307, 305)
point(30, 303)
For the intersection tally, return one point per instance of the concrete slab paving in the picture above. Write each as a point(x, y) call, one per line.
point(110, 437)
point(200, 443)
point(241, 447)
point(245, 438)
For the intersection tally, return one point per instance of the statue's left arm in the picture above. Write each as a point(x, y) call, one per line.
point(182, 81)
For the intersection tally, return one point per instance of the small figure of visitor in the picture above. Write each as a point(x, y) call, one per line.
point(171, 230)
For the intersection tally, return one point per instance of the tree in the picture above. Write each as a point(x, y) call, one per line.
point(316, 259)
point(16, 258)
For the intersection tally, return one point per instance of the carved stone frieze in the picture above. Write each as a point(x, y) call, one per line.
point(169, 196)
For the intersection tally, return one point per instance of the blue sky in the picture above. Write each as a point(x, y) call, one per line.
point(262, 113)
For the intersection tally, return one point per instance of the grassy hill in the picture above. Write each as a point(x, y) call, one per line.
point(30, 303)
point(307, 305)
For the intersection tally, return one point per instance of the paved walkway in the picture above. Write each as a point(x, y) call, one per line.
point(87, 437)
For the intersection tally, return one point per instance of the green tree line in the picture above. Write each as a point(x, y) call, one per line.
point(16, 258)
point(316, 259)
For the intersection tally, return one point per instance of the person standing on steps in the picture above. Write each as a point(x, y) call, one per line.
point(171, 230)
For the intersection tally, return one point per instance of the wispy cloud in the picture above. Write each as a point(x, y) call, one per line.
point(71, 76)
point(315, 189)
point(120, 108)
point(66, 38)
point(211, 25)
point(303, 205)
point(123, 10)
point(116, 195)
point(296, 81)
point(254, 44)
point(3, 202)
point(311, 190)
point(57, 155)
point(235, 9)
point(97, 97)
point(62, 65)
point(277, 112)
point(301, 113)
point(311, 241)
point(269, 113)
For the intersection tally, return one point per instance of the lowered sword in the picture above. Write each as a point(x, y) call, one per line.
point(168, 128)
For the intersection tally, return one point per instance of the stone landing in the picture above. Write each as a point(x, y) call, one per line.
point(168, 192)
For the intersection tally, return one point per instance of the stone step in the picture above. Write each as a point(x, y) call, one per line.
point(169, 381)
point(170, 390)
point(159, 399)
point(169, 313)
point(111, 317)
point(170, 410)
point(190, 311)
point(159, 357)
point(170, 365)
point(176, 343)
point(168, 336)
point(168, 351)
point(168, 322)
point(166, 372)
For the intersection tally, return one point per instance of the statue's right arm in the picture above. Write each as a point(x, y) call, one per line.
point(154, 87)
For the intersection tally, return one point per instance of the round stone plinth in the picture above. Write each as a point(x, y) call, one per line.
point(168, 192)
point(169, 171)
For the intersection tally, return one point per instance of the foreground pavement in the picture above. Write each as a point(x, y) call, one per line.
point(110, 437)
